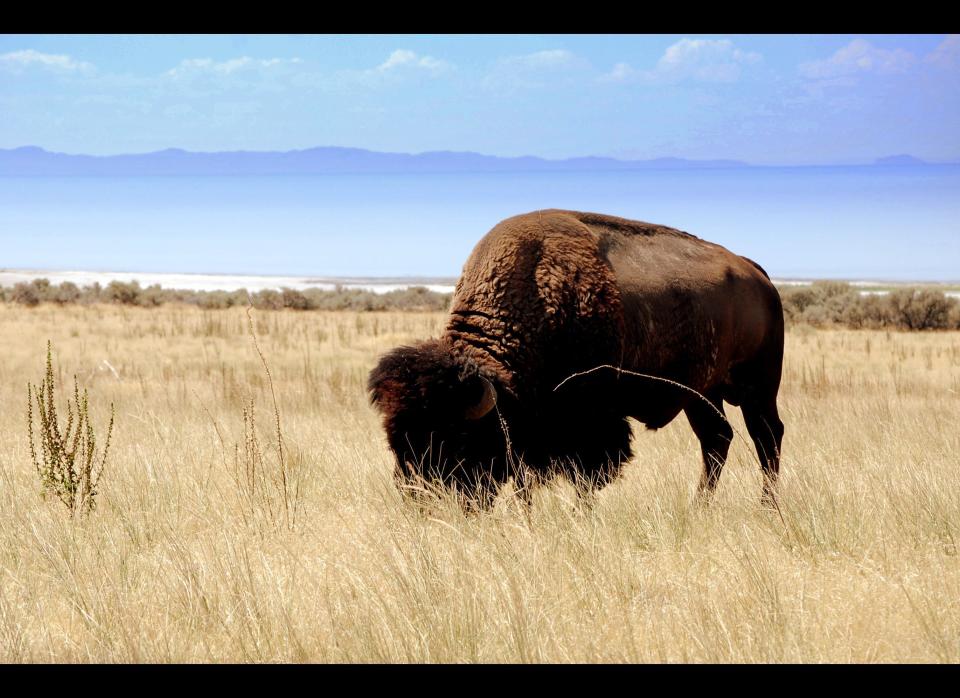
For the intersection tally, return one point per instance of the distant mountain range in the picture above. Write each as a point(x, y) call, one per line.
point(900, 160)
point(35, 161)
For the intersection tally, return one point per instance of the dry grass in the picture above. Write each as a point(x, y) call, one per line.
point(172, 567)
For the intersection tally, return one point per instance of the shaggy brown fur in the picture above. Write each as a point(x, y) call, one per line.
point(551, 293)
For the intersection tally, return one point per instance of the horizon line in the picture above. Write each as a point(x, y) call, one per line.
point(321, 278)
point(898, 159)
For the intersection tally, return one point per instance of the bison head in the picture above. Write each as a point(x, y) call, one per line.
point(440, 418)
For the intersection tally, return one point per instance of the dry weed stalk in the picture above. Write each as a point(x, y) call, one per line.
point(68, 466)
point(269, 487)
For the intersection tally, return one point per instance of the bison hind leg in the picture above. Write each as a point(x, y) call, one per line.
point(766, 430)
point(757, 385)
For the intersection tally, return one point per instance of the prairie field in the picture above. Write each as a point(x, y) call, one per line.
point(210, 542)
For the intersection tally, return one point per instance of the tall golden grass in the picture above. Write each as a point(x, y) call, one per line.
point(181, 563)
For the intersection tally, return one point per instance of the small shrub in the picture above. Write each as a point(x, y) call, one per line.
point(868, 311)
point(240, 297)
point(268, 299)
point(44, 290)
point(796, 300)
point(91, 294)
point(294, 299)
point(213, 300)
point(831, 289)
point(418, 298)
point(920, 309)
point(125, 293)
point(25, 294)
point(66, 292)
point(816, 315)
point(832, 302)
point(414, 298)
point(68, 465)
point(953, 319)
point(151, 296)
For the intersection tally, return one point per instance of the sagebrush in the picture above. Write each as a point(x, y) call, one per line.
point(820, 304)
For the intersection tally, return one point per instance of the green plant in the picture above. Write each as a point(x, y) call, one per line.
point(68, 465)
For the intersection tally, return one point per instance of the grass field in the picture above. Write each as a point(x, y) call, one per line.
point(197, 551)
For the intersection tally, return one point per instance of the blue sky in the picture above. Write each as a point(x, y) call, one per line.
point(782, 99)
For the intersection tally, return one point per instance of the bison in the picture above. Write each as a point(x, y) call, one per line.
point(555, 314)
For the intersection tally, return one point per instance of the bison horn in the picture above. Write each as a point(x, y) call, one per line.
point(486, 403)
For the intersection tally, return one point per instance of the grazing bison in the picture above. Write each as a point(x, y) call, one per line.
point(550, 294)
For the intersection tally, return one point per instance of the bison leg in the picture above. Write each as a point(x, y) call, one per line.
point(766, 430)
point(586, 482)
point(713, 430)
point(599, 458)
point(475, 501)
point(476, 491)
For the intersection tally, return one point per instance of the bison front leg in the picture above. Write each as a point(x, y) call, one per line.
point(476, 500)
point(598, 458)
point(524, 482)
point(589, 481)
point(476, 491)
point(709, 423)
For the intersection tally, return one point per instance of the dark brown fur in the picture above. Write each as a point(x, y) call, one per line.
point(551, 293)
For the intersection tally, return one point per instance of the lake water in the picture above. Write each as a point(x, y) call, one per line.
point(896, 223)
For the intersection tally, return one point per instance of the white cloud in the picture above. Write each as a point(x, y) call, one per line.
point(708, 60)
point(400, 66)
point(622, 72)
point(554, 58)
point(532, 70)
point(859, 56)
point(398, 58)
point(20, 60)
point(700, 60)
point(402, 58)
point(947, 54)
point(196, 66)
